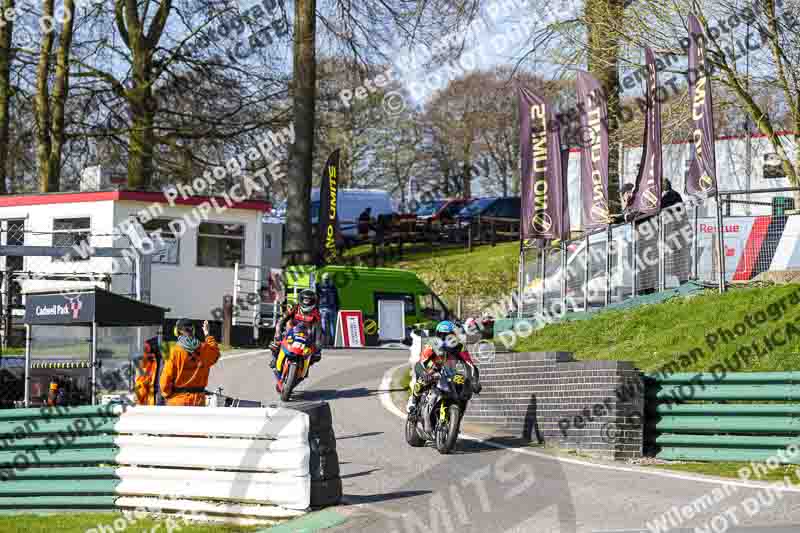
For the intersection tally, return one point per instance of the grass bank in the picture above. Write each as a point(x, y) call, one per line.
point(477, 277)
point(651, 336)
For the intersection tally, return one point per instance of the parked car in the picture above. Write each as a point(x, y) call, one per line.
point(493, 216)
point(350, 204)
point(434, 215)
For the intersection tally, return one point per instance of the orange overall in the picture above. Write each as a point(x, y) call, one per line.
point(185, 375)
point(145, 382)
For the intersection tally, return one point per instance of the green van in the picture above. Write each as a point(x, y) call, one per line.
point(364, 288)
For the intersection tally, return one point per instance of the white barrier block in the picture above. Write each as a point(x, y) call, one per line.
point(277, 423)
point(293, 492)
point(210, 509)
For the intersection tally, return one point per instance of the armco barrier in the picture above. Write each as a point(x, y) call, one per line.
point(689, 417)
point(254, 464)
point(592, 406)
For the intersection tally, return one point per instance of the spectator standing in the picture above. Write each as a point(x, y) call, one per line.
point(677, 254)
point(670, 196)
point(364, 220)
point(328, 309)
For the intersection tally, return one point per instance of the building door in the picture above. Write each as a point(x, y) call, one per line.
point(391, 320)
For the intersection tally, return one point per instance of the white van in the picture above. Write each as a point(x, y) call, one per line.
point(351, 203)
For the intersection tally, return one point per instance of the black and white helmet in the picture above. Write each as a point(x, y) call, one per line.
point(307, 300)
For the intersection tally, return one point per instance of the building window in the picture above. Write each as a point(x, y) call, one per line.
point(220, 245)
point(166, 242)
point(267, 241)
point(68, 232)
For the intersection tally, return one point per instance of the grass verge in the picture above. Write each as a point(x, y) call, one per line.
point(83, 522)
point(731, 470)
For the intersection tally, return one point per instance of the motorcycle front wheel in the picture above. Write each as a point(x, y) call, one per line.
point(446, 435)
point(288, 384)
point(412, 435)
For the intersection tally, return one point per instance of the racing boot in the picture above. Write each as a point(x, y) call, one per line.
point(274, 347)
point(413, 406)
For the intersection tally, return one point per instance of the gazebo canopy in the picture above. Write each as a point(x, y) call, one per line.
point(87, 306)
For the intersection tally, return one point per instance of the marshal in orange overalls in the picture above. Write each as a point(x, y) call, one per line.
point(185, 375)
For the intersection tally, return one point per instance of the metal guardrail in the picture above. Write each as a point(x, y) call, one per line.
point(689, 417)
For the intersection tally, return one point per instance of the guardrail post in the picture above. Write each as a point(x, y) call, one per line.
point(586, 266)
point(721, 243)
point(563, 276)
point(95, 363)
point(609, 236)
point(27, 395)
point(227, 319)
point(635, 266)
point(520, 281)
point(469, 237)
point(662, 269)
point(695, 274)
point(543, 250)
point(235, 285)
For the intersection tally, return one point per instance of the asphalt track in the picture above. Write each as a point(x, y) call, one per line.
point(486, 485)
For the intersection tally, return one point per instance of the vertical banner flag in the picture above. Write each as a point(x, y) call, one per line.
point(541, 172)
point(328, 214)
point(647, 191)
point(594, 152)
point(701, 179)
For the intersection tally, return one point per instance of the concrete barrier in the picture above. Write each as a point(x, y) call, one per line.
point(256, 463)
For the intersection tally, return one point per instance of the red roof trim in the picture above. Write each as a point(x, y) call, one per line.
point(131, 196)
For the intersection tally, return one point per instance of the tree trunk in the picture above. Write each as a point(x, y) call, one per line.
point(466, 188)
point(602, 17)
point(6, 32)
point(142, 45)
point(42, 107)
point(299, 242)
point(50, 112)
point(60, 94)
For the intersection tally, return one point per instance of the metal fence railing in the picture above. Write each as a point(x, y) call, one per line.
point(760, 233)
point(31, 267)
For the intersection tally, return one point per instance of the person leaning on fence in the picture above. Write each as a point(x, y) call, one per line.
point(669, 196)
point(626, 201)
point(185, 376)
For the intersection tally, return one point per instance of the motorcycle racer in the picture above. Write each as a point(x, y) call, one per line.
point(433, 358)
point(304, 312)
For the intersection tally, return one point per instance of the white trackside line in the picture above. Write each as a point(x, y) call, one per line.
point(245, 354)
point(388, 404)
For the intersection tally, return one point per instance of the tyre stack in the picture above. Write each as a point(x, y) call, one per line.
point(326, 485)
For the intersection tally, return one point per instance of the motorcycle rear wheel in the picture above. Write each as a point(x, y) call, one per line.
point(288, 385)
point(446, 436)
point(412, 435)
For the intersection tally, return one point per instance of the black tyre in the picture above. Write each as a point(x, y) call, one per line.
point(446, 436)
point(412, 435)
point(288, 385)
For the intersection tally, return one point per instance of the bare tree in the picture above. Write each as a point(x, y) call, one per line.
point(299, 241)
point(6, 56)
point(49, 107)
